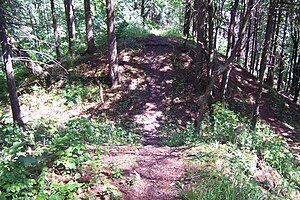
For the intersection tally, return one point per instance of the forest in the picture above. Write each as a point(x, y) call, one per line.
point(150, 99)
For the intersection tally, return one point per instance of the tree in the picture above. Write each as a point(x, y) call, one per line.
point(114, 71)
point(7, 61)
point(263, 62)
point(89, 28)
point(69, 10)
point(203, 100)
point(55, 32)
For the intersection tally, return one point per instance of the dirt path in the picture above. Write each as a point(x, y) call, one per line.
point(156, 169)
point(159, 90)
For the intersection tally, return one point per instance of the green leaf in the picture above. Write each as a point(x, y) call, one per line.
point(56, 197)
point(42, 197)
point(28, 160)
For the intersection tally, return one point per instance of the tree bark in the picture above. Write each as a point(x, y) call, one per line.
point(114, 71)
point(55, 31)
point(70, 22)
point(91, 48)
point(7, 61)
point(263, 63)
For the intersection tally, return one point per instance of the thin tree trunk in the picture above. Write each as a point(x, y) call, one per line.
point(211, 45)
point(230, 45)
point(281, 64)
point(143, 15)
point(297, 82)
point(263, 62)
point(187, 18)
point(254, 44)
point(295, 35)
point(112, 43)
point(7, 61)
point(271, 69)
point(91, 48)
point(55, 32)
point(248, 45)
point(70, 22)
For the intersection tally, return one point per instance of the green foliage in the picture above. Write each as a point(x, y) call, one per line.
point(28, 156)
point(227, 128)
point(131, 30)
point(115, 171)
point(95, 132)
point(172, 31)
point(77, 93)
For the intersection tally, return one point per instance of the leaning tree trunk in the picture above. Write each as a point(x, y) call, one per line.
point(203, 100)
point(89, 27)
point(114, 71)
point(263, 62)
point(55, 32)
point(7, 61)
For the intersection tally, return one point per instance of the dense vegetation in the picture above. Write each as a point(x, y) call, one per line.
point(51, 50)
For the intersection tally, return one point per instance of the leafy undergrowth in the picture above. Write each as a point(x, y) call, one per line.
point(50, 161)
point(229, 161)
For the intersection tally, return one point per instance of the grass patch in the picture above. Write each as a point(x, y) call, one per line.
point(241, 158)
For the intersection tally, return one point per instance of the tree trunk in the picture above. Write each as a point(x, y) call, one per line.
point(248, 45)
point(263, 62)
point(7, 61)
point(199, 26)
point(297, 82)
point(203, 100)
point(55, 32)
point(295, 35)
point(254, 43)
point(230, 45)
point(70, 22)
point(270, 77)
point(143, 15)
point(281, 63)
point(112, 43)
point(211, 44)
point(91, 48)
point(187, 18)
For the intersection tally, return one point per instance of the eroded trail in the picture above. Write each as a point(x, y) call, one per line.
point(156, 169)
